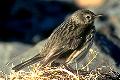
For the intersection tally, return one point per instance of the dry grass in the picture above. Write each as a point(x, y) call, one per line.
point(49, 73)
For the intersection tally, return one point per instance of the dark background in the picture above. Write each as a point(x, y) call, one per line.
point(23, 20)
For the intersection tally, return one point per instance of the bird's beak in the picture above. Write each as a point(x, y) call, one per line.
point(99, 15)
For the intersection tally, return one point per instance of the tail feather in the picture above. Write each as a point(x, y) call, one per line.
point(27, 63)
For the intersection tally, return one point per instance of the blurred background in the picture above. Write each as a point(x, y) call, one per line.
point(24, 23)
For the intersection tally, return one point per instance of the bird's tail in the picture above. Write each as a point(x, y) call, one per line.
point(27, 63)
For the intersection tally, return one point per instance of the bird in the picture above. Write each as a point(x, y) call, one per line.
point(66, 41)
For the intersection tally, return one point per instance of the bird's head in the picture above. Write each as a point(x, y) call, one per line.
point(84, 17)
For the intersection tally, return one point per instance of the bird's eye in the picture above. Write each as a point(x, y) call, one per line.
point(88, 17)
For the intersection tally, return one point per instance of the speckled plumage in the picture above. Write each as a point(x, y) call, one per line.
point(71, 35)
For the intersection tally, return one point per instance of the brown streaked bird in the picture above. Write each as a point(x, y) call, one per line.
point(67, 39)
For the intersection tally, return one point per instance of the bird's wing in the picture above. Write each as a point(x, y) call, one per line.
point(58, 51)
point(52, 55)
point(75, 43)
point(79, 54)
